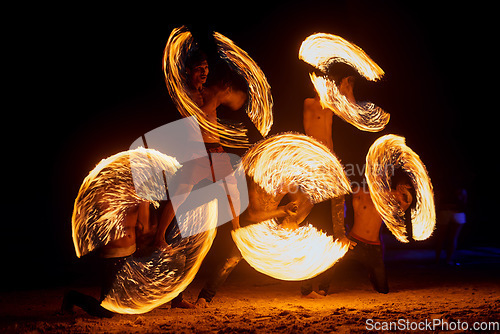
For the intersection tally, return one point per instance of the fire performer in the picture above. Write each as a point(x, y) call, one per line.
point(137, 226)
point(364, 237)
point(226, 88)
point(196, 75)
point(318, 123)
point(223, 87)
point(317, 119)
point(262, 206)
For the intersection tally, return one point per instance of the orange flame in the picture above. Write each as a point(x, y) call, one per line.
point(292, 159)
point(102, 203)
point(321, 50)
point(285, 254)
point(278, 163)
point(259, 107)
point(389, 152)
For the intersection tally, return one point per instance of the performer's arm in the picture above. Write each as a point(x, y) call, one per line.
point(304, 206)
point(307, 117)
point(338, 217)
point(180, 188)
point(167, 216)
point(143, 217)
point(280, 212)
point(338, 221)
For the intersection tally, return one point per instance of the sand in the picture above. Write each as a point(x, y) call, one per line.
point(422, 294)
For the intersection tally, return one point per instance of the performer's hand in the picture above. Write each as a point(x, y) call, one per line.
point(403, 196)
point(289, 225)
point(236, 223)
point(163, 246)
point(291, 208)
point(348, 242)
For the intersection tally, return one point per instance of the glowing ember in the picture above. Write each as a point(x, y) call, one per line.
point(385, 154)
point(104, 199)
point(278, 164)
point(259, 107)
point(322, 50)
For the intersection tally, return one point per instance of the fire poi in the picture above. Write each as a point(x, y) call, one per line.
point(387, 153)
point(321, 51)
point(259, 106)
point(106, 195)
point(280, 164)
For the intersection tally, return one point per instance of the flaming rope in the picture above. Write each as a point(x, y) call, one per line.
point(290, 159)
point(105, 196)
point(385, 154)
point(285, 254)
point(322, 50)
point(259, 107)
point(276, 163)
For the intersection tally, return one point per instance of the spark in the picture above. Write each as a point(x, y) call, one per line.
point(259, 107)
point(276, 164)
point(103, 200)
point(387, 153)
point(321, 50)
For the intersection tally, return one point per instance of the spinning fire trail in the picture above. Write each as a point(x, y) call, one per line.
point(259, 107)
point(322, 50)
point(105, 196)
point(391, 150)
point(278, 164)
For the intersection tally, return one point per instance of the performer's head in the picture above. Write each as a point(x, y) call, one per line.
point(230, 85)
point(402, 187)
point(344, 76)
point(196, 69)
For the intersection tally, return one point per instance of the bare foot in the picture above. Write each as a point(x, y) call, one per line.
point(201, 303)
point(182, 304)
point(314, 295)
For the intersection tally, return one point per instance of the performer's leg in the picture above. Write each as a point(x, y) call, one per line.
point(454, 232)
point(110, 268)
point(374, 258)
point(89, 304)
point(442, 231)
point(307, 287)
point(327, 277)
point(219, 275)
point(325, 280)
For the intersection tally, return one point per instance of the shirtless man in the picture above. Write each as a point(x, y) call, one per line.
point(318, 120)
point(262, 206)
point(196, 75)
point(364, 237)
point(318, 123)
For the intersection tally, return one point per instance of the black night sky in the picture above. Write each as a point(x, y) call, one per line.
point(92, 82)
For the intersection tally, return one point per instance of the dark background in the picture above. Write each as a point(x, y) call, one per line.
point(90, 82)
